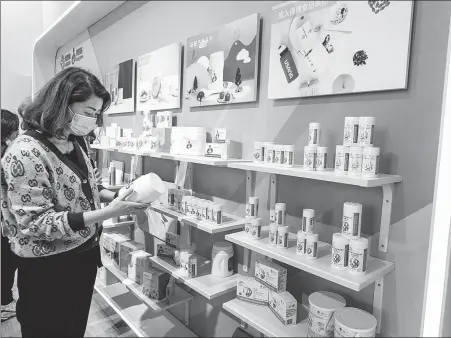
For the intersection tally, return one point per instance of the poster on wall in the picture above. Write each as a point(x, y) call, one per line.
point(78, 53)
point(222, 64)
point(338, 47)
point(159, 79)
point(120, 83)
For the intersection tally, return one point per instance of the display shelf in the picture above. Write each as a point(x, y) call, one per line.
point(328, 176)
point(202, 160)
point(129, 151)
point(137, 316)
point(109, 224)
point(263, 319)
point(230, 222)
point(205, 283)
point(180, 295)
point(321, 267)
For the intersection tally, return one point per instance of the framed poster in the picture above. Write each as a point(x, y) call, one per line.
point(120, 83)
point(338, 47)
point(222, 64)
point(159, 79)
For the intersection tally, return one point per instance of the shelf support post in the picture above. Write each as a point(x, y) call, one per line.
point(387, 200)
point(243, 324)
point(187, 313)
point(272, 196)
point(377, 302)
point(250, 189)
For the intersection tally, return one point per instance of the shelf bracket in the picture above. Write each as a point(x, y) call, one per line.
point(246, 260)
point(272, 196)
point(243, 324)
point(387, 200)
point(250, 190)
point(187, 313)
point(377, 302)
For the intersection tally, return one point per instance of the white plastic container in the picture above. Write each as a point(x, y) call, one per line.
point(192, 266)
point(314, 133)
point(200, 209)
point(340, 252)
point(370, 165)
point(351, 131)
point(269, 153)
point(352, 322)
point(280, 211)
point(308, 221)
point(342, 159)
point(366, 131)
point(312, 246)
point(146, 189)
point(265, 146)
point(258, 152)
point(282, 236)
point(352, 220)
point(278, 154)
point(184, 260)
point(208, 208)
point(355, 161)
point(322, 307)
point(273, 227)
point(321, 159)
point(252, 206)
point(191, 206)
point(288, 155)
point(216, 213)
point(310, 157)
point(248, 225)
point(358, 256)
point(301, 243)
point(222, 259)
point(256, 232)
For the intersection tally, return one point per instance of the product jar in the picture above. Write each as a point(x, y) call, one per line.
point(312, 246)
point(322, 306)
point(208, 211)
point(280, 211)
point(288, 155)
point(366, 131)
point(301, 243)
point(252, 206)
point(278, 154)
point(192, 266)
point(200, 208)
point(265, 146)
point(258, 152)
point(282, 236)
point(370, 166)
point(269, 153)
point(352, 322)
point(355, 161)
point(310, 157)
point(248, 225)
point(222, 259)
point(308, 221)
point(358, 256)
point(314, 133)
point(256, 231)
point(273, 227)
point(340, 252)
point(342, 159)
point(216, 213)
point(321, 159)
point(352, 220)
point(351, 131)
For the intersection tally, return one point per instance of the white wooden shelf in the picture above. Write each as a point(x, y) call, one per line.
point(137, 316)
point(180, 295)
point(263, 319)
point(205, 284)
point(128, 151)
point(321, 267)
point(328, 176)
point(230, 222)
point(108, 224)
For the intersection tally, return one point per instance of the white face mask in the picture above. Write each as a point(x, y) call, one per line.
point(82, 125)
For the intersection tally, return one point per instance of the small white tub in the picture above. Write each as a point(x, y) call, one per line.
point(322, 306)
point(352, 322)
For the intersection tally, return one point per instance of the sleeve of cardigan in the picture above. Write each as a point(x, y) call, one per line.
point(30, 196)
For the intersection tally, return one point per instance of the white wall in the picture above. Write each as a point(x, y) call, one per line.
point(52, 10)
point(21, 24)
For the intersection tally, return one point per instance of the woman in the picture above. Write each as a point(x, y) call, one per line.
point(51, 205)
point(9, 131)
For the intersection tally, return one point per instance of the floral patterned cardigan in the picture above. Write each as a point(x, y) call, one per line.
point(44, 195)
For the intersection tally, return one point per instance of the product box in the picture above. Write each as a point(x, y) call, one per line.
point(284, 306)
point(172, 239)
point(165, 251)
point(129, 143)
point(163, 136)
point(154, 284)
point(127, 133)
point(115, 248)
point(224, 151)
point(271, 275)
point(126, 249)
point(220, 135)
point(252, 291)
point(139, 263)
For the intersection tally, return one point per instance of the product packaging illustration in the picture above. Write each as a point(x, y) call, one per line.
point(252, 291)
point(154, 284)
point(271, 275)
point(284, 306)
point(338, 47)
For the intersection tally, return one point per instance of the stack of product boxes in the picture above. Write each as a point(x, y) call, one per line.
point(222, 147)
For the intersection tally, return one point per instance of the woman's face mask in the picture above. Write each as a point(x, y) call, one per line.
point(82, 125)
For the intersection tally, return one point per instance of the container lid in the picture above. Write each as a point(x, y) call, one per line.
point(315, 125)
point(339, 238)
point(322, 149)
point(253, 199)
point(356, 149)
point(289, 146)
point(352, 118)
point(372, 150)
point(226, 247)
point(312, 237)
point(311, 148)
point(281, 205)
point(256, 221)
point(353, 205)
point(359, 243)
point(328, 301)
point(367, 119)
point(283, 229)
point(308, 211)
point(356, 319)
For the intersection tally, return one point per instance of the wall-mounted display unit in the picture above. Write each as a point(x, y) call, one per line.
point(222, 64)
point(120, 83)
point(159, 79)
point(338, 47)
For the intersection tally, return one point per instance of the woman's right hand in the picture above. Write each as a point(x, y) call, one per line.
point(119, 206)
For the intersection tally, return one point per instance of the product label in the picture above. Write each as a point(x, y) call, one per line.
point(248, 228)
point(358, 260)
point(340, 257)
point(258, 155)
point(283, 240)
point(273, 278)
point(273, 237)
point(165, 251)
point(301, 246)
point(321, 323)
point(355, 135)
point(341, 331)
point(280, 217)
point(309, 160)
point(346, 162)
point(308, 224)
point(252, 291)
point(230, 264)
point(355, 224)
point(193, 267)
point(312, 249)
point(172, 239)
point(256, 231)
point(284, 307)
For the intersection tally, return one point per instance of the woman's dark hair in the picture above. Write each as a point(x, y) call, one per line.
point(49, 112)
point(10, 124)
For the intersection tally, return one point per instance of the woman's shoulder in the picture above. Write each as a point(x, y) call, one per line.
point(24, 146)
